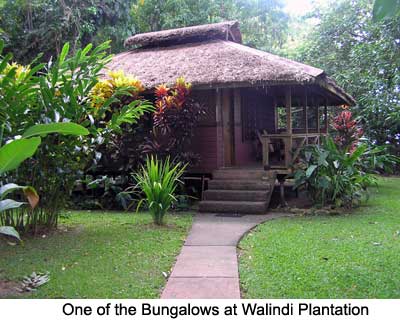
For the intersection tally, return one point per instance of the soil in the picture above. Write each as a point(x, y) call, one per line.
point(9, 289)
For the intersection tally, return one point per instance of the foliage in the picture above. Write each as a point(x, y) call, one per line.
point(385, 8)
point(99, 254)
point(378, 159)
point(11, 157)
point(106, 88)
point(363, 56)
point(327, 257)
point(174, 120)
point(53, 95)
point(108, 193)
point(30, 27)
point(158, 180)
point(348, 132)
point(331, 175)
point(263, 22)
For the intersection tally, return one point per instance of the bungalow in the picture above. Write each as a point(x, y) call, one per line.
point(260, 108)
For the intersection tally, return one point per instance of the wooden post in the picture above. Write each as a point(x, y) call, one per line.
point(288, 105)
point(288, 141)
point(237, 123)
point(281, 180)
point(305, 110)
point(220, 138)
point(326, 118)
point(274, 105)
point(265, 146)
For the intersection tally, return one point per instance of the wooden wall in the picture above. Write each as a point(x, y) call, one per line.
point(204, 141)
point(223, 137)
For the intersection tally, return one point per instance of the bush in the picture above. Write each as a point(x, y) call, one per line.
point(332, 176)
point(66, 89)
point(174, 120)
point(158, 181)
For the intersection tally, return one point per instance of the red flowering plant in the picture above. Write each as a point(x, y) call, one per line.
point(348, 131)
point(174, 120)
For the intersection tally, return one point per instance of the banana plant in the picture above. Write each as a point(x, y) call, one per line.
point(14, 153)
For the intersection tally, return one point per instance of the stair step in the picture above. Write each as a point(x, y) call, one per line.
point(240, 174)
point(246, 207)
point(222, 184)
point(236, 195)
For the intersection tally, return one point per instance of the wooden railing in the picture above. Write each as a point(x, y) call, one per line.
point(292, 144)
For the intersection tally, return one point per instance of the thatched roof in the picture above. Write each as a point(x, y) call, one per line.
point(213, 63)
point(228, 30)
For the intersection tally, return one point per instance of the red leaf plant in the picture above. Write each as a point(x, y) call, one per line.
point(174, 120)
point(348, 131)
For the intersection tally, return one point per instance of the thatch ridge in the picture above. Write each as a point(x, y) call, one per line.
point(228, 30)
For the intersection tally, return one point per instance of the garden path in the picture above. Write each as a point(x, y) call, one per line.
point(207, 266)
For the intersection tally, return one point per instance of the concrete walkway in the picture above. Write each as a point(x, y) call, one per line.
point(207, 266)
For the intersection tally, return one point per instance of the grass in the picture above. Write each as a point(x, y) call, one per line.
point(100, 255)
point(349, 256)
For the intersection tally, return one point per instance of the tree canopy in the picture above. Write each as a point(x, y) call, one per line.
point(363, 56)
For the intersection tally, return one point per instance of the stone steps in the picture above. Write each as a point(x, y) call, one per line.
point(244, 207)
point(239, 174)
point(236, 195)
point(238, 184)
point(244, 191)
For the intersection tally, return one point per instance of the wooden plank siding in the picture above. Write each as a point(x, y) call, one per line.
point(205, 140)
point(221, 138)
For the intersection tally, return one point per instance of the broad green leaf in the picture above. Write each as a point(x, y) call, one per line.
point(10, 231)
point(59, 127)
point(310, 170)
point(15, 152)
point(323, 182)
point(64, 53)
point(8, 204)
point(8, 188)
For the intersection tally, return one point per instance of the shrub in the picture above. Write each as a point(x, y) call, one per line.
point(348, 131)
point(66, 89)
point(332, 176)
point(174, 120)
point(158, 180)
point(14, 214)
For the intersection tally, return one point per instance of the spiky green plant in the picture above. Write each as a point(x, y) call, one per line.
point(158, 180)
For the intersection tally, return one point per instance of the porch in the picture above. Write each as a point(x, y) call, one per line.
point(263, 127)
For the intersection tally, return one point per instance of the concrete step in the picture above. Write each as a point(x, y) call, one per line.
point(240, 174)
point(236, 195)
point(222, 184)
point(244, 207)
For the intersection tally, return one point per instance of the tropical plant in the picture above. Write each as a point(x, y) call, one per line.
point(332, 176)
point(363, 56)
point(30, 27)
point(174, 120)
point(11, 156)
point(158, 180)
point(378, 159)
point(348, 132)
point(65, 90)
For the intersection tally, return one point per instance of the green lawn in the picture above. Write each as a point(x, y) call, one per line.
point(349, 256)
point(100, 255)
